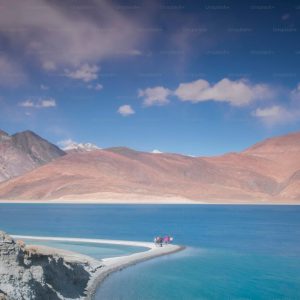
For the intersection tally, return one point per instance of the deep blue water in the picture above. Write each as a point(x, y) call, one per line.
point(233, 252)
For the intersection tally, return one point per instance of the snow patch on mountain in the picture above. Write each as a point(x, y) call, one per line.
point(155, 151)
point(70, 145)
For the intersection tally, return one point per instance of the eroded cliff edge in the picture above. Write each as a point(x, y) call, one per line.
point(28, 272)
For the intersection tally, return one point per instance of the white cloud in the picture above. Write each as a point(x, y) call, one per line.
point(275, 114)
point(236, 93)
point(85, 73)
point(46, 103)
point(273, 111)
point(155, 96)
point(27, 103)
point(126, 110)
point(42, 103)
point(279, 114)
point(97, 87)
point(44, 87)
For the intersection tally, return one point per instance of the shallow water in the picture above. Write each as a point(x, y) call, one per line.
point(98, 251)
point(234, 252)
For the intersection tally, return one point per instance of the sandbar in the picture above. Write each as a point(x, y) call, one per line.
point(108, 265)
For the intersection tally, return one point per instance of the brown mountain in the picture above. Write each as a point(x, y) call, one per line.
point(24, 151)
point(266, 172)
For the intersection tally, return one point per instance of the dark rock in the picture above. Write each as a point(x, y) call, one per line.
point(28, 275)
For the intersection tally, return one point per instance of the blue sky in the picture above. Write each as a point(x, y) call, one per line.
point(193, 77)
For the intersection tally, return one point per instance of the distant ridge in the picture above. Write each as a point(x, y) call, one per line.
point(289, 142)
point(266, 172)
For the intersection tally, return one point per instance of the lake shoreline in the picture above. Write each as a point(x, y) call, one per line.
point(105, 272)
point(111, 265)
point(163, 202)
point(227, 246)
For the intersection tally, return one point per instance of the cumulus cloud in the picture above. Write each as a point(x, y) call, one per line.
point(126, 110)
point(236, 93)
point(155, 96)
point(50, 32)
point(275, 114)
point(85, 73)
point(42, 103)
point(280, 114)
point(267, 112)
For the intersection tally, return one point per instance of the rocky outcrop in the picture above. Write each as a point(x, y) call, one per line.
point(28, 273)
point(3, 296)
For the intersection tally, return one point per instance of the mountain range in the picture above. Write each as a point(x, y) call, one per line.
point(266, 172)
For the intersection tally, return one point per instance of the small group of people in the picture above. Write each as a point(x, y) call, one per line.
point(160, 241)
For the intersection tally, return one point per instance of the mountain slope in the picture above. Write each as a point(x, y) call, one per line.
point(281, 144)
point(268, 171)
point(23, 152)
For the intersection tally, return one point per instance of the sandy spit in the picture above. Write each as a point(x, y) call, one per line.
point(109, 265)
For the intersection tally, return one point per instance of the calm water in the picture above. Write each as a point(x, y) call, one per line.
point(97, 251)
point(234, 252)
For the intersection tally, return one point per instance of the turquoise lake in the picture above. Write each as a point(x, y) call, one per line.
point(98, 251)
point(233, 252)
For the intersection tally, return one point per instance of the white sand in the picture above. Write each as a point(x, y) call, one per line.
point(83, 240)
